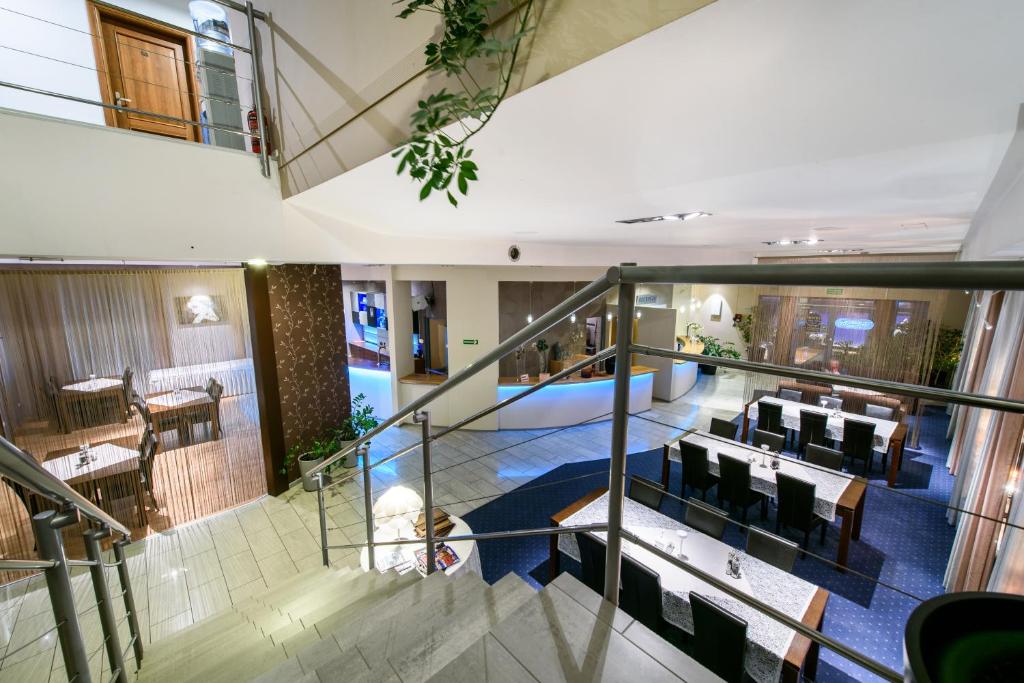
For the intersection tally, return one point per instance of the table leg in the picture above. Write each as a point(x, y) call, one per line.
point(858, 517)
point(553, 558)
point(214, 422)
point(896, 446)
point(811, 663)
point(746, 423)
point(845, 532)
point(664, 466)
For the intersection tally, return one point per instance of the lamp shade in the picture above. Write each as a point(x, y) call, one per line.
point(397, 501)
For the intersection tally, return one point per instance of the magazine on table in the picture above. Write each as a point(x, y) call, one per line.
point(444, 557)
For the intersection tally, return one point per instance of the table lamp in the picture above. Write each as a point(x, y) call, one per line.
point(397, 501)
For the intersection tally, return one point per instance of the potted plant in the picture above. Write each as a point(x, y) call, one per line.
point(948, 347)
point(542, 354)
point(359, 422)
point(557, 363)
point(716, 348)
point(309, 458)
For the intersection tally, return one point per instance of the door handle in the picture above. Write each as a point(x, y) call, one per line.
point(120, 100)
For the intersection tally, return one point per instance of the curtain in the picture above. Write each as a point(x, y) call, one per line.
point(988, 447)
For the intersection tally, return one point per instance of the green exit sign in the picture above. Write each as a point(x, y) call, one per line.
point(470, 342)
point(834, 290)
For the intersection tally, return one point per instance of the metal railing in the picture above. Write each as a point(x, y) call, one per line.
point(253, 50)
point(47, 528)
point(995, 275)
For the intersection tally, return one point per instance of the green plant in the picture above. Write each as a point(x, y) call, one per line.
point(319, 448)
point(744, 325)
point(430, 157)
point(716, 348)
point(541, 345)
point(359, 422)
point(948, 347)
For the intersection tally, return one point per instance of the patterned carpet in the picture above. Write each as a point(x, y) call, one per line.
point(905, 542)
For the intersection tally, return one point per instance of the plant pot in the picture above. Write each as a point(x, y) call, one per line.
point(308, 461)
point(352, 459)
point(707, 369)
point(556, 366)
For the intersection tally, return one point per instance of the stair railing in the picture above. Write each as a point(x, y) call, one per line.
point(990, 275)
point(21, 468)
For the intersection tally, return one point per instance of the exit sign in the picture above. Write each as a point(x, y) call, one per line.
point(834, 290)
point(470, 342)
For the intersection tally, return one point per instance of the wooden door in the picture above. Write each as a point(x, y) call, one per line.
point(145, 67)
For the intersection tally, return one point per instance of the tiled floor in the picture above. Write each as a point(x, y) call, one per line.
point(187, 573)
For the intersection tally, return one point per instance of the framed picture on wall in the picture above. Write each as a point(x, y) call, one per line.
point(200, 309)
point(716, 310)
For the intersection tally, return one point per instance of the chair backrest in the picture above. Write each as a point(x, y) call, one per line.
point(831, 402)
point(878, 412)
point(141, 408)
point(126, 382)
point(719, 639)
point(723, 428)
point(640, 596)
point(791, 395)
point(775, 442)
point(706, 518)
point(825, 457)
point(769, 417)
point(147, 445)
point(813, 426)
point(592, 555)
point(19, 491)
point(809, 392)
point(733, 479)
point(858, 438)
point(215, 389)
point(758, 394)
point(695, 465)
point(778, 552)
point(646, 492)
point(796, 501)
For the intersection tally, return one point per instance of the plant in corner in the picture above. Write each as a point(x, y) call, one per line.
point(359, 422)
point(430, 157)
point(542, 354)
point(308, 458)
point(716, 348)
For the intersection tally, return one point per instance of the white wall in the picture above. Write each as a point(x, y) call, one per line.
point(709, 296)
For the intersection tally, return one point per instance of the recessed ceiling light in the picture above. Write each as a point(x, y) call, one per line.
point(257, 262)
point(689, 216)
point(786, 243)
point(813, 240)
point(841, 251)
point(783, 243)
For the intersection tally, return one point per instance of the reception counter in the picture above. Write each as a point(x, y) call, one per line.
point(570, 401)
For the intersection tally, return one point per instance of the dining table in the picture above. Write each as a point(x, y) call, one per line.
point(72, 400)
point(112, 466)
point(890, 435)
point(773, 650)
point(183, 408)
point(836, 494)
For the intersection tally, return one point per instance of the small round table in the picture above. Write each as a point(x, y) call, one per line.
point(469, 558)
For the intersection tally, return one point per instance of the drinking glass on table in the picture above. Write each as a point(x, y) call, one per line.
point(83, 452)
point(764, 454)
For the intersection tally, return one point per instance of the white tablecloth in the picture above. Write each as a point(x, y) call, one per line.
point(236, 376)
point(767, 640)
point(469, 558)
point(98, 384)
point(67, 468)
point(834, 429)
point(182, 397)
point(829, 486)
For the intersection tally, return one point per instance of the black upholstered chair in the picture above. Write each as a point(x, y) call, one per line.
point(706, 518)
point(216, 390)
point(719, 639)
point(813, 427)
point(646, 492)
point(791, 395)
point(831, 402)
point(147, 459)
point(824, 457)
point(723, 428)
point(126, 384)
point(734, 486)
point(878, 412)
point(640, 594)
point(695, 469)
point(592, 556)
point(775, 442)
point(776, 551)
point(859, 441)
point(769, 417)
point(796, 507)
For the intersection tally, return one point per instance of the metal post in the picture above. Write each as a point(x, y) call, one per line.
point(323, 517)
point(423, 418)
point(257, 86)
point(620, 418)
point(46, 526)
point(129, 599)
point(104, 608)
point(368, 504)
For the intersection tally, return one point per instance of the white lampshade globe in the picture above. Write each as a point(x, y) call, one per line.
point(398, 501)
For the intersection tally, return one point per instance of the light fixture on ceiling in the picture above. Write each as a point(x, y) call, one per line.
point(529, 316)
point(639, 314)
point(572, 318)
point(257, 262)
point(609, 316)
point(841, 251)
point(785, 243)
point(687, 216)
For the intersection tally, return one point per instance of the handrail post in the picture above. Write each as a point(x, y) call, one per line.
point(129, 598)
point(423, 418)
point(47, 525)
point(323, 518)
point(257, 86)
point(364, 451)
point(103, 605)
point(620, 417)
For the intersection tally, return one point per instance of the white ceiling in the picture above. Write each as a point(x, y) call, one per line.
point(876, 124)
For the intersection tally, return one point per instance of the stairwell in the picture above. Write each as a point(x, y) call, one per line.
point(328, 625)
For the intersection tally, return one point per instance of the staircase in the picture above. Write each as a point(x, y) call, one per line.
point(346, 625)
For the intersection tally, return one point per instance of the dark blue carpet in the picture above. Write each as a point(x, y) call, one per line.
point(905, 542)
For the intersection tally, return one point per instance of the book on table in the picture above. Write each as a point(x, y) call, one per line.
point(443, 524)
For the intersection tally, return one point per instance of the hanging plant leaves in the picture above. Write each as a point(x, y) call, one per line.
point(435, 159)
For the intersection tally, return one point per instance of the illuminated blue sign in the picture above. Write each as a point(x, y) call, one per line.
point(855, 323)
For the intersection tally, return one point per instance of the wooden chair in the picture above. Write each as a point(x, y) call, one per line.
point(52, 395)
point(646, 492)
point(706, 518)
point(769, 417)
point(776, 551)
point(640, 594)
point(695, 469)
point(126, 383)
point(824, 457)
point(734, 486)
point(859, 441)
point(147, 459)
point(719, 639)
point(813, 427)
point(592, 557)
point(139, 404)
point(723, 428)
point(216, 390)
point(796, 507)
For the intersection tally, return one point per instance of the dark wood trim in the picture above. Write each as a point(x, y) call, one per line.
point(268, 391)
point(803, 652)
point(557, 519)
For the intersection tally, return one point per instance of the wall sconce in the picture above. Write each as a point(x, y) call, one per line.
point(609, 317)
